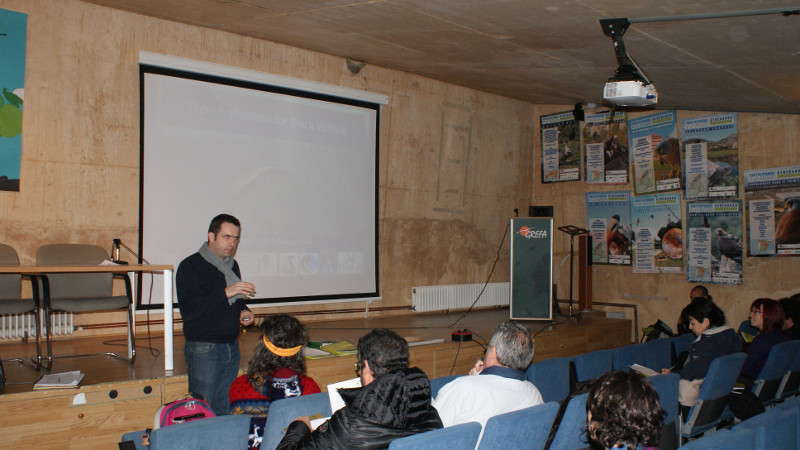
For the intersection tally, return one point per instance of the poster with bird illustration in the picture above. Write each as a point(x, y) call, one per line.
point(655, 153)
point(605, 142)
point(561, 145)
point(772, 199)
point(13, 29)
point(657, 233)
point(711, 156)
point(714, 230)
point(608, 219)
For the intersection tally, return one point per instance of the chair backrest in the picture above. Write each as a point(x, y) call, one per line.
point(526, 428)
point(10, 284)
point(724, 439)
point(624, 357)
point(790, 385)
point(775, 368)
point(681, 343)
point(77, 285)
point(570, 433)
point(774, 429)
point(589, 366)
point(437, 383)
point(719, 381)
point(212, 433)
point(551, 377)
point(667, 387)
point(282, 412)
point(458, 437)
point(659, 354)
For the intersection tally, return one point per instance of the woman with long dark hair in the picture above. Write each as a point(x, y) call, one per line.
point(277, 370)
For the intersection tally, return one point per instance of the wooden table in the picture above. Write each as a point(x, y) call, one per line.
point(167, 271)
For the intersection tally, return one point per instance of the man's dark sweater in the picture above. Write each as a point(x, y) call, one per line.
point(207, 316)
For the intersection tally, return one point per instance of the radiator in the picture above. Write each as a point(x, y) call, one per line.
point(20, 326)
point(458, 296)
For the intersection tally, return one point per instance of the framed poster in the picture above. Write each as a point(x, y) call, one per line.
point(13, 26)
point(772, 199)
point(711, 156)
point(655, 153)
point(561, 145)
point(605, 140)
point(532, 268)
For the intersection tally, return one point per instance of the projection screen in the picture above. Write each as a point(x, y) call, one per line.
point(298, 168)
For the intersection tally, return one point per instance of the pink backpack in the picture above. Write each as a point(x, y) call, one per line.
point(182, 410)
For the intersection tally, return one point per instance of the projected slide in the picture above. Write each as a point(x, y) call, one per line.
point(299, 171)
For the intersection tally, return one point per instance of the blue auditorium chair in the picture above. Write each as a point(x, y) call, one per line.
point(774, 429)
point(790, 386)
point(437, 383)
point(724, 439)
point(775, 369)
point(681, 344)
point(659, 354)
point(282, 412)
point(704, 415)
point(212, 433)
point(570, 433)
point(628, 355)
point(526, 428)
point(551, 377)
point(458, 437)
point(590, 366)
point(667, 387)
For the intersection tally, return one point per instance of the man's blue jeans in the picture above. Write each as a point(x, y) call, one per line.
point(212, 368)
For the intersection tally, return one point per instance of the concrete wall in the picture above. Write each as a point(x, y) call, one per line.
point(454, 162)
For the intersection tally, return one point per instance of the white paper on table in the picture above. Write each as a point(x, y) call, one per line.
point(336, 400)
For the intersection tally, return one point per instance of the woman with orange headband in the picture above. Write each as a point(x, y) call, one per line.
point(276, 371)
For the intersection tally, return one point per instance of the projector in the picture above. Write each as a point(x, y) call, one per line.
point(630, 93)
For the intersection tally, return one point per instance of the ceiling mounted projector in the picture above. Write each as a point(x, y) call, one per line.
point(629, 87)
point(632, 93)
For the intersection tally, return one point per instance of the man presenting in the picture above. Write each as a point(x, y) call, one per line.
point(394, 401)
point(211, 298)
point(496, 385)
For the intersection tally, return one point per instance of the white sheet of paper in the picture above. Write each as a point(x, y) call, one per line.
point(336, 400)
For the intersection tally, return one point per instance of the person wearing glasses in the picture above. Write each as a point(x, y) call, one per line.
point(766, 315)
point(394, 401)
point(496, 385)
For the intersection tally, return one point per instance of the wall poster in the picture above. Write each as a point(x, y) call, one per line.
point(772, 199)
point(13, 26)
point(605, 141)
point(561, 144)
point(658, 237)
point(655, 153)
point(608, 219)
point(714, 234)
point(711, 153)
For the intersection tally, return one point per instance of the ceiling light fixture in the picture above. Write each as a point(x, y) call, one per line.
point(630, 86)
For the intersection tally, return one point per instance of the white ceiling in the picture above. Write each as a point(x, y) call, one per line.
point(538, 51)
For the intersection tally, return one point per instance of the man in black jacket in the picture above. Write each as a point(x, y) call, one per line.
point(394, 401)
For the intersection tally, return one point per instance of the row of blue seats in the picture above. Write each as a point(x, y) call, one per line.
point(776, 429)
point(552, 377)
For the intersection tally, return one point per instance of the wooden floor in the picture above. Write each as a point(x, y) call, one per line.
point(560, 338)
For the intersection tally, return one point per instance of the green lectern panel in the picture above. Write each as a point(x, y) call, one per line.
point(531, 268)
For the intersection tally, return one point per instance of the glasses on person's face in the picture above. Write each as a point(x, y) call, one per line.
point(755, 312)
point(359, 365)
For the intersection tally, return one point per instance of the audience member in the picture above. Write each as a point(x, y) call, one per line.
point(714, 339)
point(277, 370)
point(791, 311)
point(766, 315)
point(698, 293)
point(623, 411)
point(211, 298)
point(394, 401)
point(496, 385)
